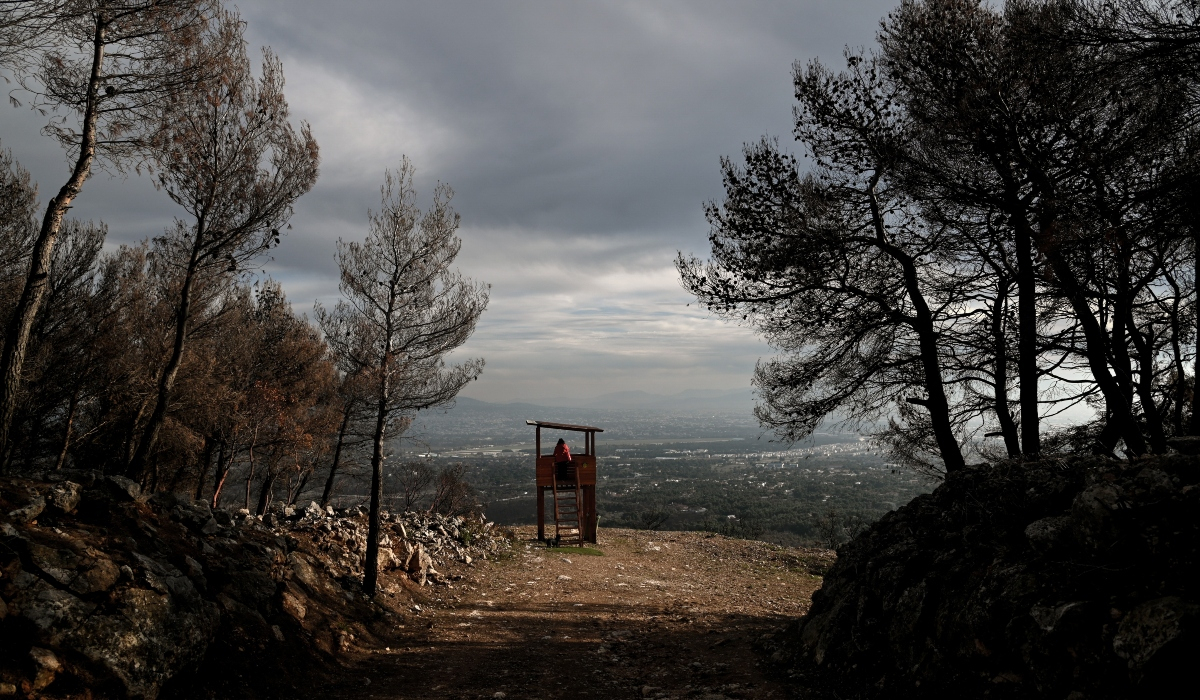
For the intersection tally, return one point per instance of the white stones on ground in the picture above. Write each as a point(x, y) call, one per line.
point(419, 565)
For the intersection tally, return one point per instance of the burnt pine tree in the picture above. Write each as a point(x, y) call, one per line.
point(1075, 167)
point(102, 69)
point(403, 310)
point(231, 158)
point(1147, 43)
point(835, 270)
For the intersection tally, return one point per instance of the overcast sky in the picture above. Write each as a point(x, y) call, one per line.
point(581, 138)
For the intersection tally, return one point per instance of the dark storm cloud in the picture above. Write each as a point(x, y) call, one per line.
point(581, 139)
point(605, 116)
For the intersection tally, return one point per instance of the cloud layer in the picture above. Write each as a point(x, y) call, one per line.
point(581, 139)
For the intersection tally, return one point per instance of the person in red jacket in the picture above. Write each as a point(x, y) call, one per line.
point(563, 462)
point(562, 453)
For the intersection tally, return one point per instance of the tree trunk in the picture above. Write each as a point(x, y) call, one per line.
point(1027, 345)
point(936, 402)
point(1144, 345)
point(371, 566)
point(205, 465)
point(294, 495)
point(1195, 422)
point(1008, 427)
point(223, 461)
point(16, 334)
point(130, 446)
point(1110, 435)
point(264, 494)
point(1097, 356)
point(66, 443)
point(166, 382)
point(1179, 385)
point(337, 458)
point(250, 470)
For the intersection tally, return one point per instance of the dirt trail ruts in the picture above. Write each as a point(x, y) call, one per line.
point(660, 615)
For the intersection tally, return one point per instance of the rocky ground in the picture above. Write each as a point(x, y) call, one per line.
point(107, 594)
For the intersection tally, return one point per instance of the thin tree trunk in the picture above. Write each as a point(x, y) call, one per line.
point(1008, 427)
point(936, 402)
point(223, 461)
point(205, 465)
point(1144, 345)
point(371, 566)
point(265, 493)
point(66, 443)
point(1194, 428)
point(337, 457)
point(1027, 296)
point(1122, 330)
point(1180, 385)
point(1027, 342)
point(1097, 356)
point(166, 382)
point(131, 434)
point(16, 334)
point(250, 472)
point(294, 495)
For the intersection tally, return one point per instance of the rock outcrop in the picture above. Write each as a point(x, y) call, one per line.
point(105, 590)
point(1058, 579)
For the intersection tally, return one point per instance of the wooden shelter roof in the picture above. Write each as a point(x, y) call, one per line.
point(565, 426)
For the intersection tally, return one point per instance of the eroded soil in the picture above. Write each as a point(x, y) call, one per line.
point(660, 615)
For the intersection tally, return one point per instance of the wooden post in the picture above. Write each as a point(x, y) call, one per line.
point(541, 493)
point(589, 494)
point(541, 506)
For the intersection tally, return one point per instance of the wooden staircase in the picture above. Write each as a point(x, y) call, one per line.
point(567, 502)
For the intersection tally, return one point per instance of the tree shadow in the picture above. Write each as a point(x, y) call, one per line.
point(560, 650)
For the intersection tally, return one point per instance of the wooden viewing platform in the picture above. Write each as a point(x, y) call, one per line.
point(585, 466)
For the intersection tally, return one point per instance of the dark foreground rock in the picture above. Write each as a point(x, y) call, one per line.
point(1061, 579)
point(106, 594)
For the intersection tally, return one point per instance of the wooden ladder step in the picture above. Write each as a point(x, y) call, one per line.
point(568, 502)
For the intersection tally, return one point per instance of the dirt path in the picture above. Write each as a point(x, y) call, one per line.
point(660, 615)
